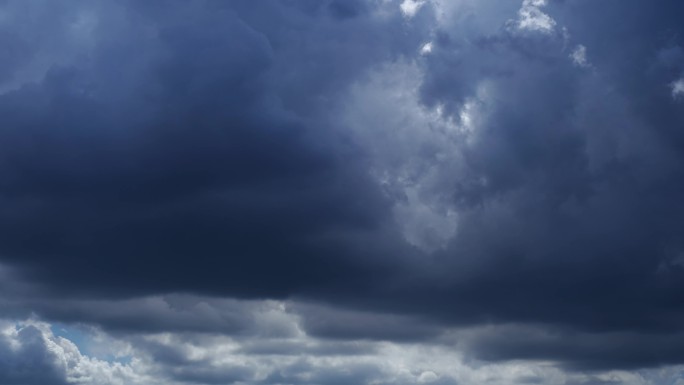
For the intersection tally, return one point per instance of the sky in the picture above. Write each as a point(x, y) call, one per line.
point(341, 192)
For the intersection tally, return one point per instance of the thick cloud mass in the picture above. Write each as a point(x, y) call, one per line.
point(216, 185)
point(174, 156)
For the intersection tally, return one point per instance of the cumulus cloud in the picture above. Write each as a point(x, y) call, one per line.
point(31, 353)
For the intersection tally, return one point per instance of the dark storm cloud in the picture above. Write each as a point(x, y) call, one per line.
point(181, 154)
point(196, 147)
point(348, 324)
point(580, 351)
point(171, 313)
point(584, 184)
point(293, 348)
point(570, 203)
point(577, 222)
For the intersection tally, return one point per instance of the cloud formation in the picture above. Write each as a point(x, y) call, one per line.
point(322, 192)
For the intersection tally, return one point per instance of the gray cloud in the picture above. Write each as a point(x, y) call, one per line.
point(161, 163)
point(187, 137)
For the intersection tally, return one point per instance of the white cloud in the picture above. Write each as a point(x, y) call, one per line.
point(426, 49)
point(411, 7)
point(531, 17)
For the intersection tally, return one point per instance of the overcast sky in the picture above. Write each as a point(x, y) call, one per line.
point(341, 192)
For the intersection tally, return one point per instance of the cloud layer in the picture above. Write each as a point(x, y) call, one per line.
point(324, 192)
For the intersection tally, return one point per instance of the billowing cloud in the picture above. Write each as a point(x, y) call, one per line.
point(322, 192)
point(31, 353)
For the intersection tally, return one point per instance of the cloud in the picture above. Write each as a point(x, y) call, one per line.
point(579, 56)
point(677, 88)
point(190, 358)
point(576, 351)
point(191, 135)
point(26, 359)
point(411, 7)
point(531, 17)
point(31, 354)
point(223, 185)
